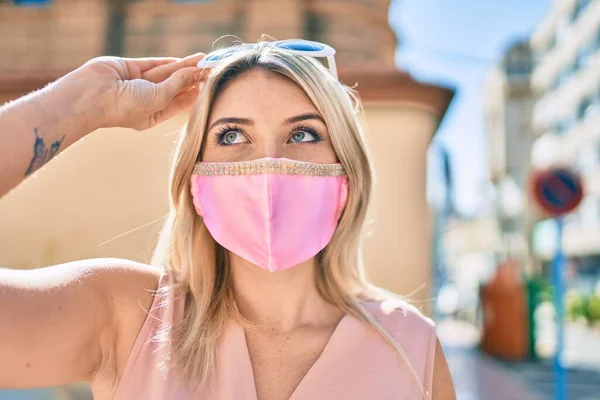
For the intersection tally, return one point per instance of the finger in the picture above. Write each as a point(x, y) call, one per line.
point(181, 103)
point(145, 64)
point(193, 59)
point(178, 82)
point(162, 72)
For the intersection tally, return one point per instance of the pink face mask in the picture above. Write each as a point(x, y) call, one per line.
point(274, 213)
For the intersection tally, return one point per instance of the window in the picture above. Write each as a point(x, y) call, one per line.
point(579, 7)
point(583, 106)
point(593, 105)
point(565, 74)
point(583, 56)
point(565, 125)
point(555, 84)
point(519, 64)
point(560, 128)
point(519, 68)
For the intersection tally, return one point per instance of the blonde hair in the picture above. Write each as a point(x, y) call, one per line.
point(200, 266)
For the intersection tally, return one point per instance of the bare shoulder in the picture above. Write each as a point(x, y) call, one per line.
point(416, 334)
point(130, 287)
point(397, 314)
point(123, 279)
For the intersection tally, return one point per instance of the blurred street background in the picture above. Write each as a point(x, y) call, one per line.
point(463, 99)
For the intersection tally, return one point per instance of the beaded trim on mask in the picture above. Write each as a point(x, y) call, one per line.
point(275, 166)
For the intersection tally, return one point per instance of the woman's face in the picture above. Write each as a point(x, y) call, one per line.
point(261, 114)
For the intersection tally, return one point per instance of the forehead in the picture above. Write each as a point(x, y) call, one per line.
point(261, 94)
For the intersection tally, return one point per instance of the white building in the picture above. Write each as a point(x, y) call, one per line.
point(509, 102)
point(566, 117)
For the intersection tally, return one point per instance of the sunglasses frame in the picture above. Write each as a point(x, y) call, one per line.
point(327, 52)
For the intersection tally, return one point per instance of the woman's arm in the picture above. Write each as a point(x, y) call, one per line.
point(59, 323)
point(70, 322)
point(105, 92)
point(443, 388)
point(35, 128)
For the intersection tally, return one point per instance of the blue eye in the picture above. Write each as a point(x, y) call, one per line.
point(305, 135)
point(229, 136)
point(300, 136)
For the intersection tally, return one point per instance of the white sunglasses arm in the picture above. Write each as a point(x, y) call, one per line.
point(332, 67)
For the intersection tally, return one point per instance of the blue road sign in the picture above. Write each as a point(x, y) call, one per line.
point(557, 191)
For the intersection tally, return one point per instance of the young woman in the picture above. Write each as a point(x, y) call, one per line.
point(257, 290)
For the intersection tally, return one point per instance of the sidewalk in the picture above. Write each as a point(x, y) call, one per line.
point(480, 377)
point(477, 377)
point(77, 391)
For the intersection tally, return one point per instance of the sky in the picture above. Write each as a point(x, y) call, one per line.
point(455, 43)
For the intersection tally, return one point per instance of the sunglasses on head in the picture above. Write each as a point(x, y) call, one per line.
point(296, 46)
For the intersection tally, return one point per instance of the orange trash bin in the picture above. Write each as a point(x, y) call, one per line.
point(504, 305)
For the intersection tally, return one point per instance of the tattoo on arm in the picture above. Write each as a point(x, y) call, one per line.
point(41, 153)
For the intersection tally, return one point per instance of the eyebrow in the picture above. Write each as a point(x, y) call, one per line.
point(231, 120)
point(303, 117)
point(247, 121)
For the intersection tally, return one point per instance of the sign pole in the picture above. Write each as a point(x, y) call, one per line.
point(558, 272)
point(558, 191)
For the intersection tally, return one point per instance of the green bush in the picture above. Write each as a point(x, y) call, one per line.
point(593, 308)
point(576, 305)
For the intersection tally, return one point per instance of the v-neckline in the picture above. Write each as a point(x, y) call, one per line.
point(241, 336)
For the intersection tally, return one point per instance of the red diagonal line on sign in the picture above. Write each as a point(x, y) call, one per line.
point(559, 188)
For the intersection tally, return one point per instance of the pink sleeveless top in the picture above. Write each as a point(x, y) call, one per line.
point(357, 362)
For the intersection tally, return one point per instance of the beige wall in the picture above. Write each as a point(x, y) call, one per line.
point(116, 180)
point(398, 249)
point(113, 181)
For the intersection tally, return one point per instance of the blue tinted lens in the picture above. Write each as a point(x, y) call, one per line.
point(214, 57)
point(300, 46)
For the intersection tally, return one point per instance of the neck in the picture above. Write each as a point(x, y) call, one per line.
point(283, 300)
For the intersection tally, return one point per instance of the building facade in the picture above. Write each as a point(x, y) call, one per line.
point(566, 119)
point(566, 116)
